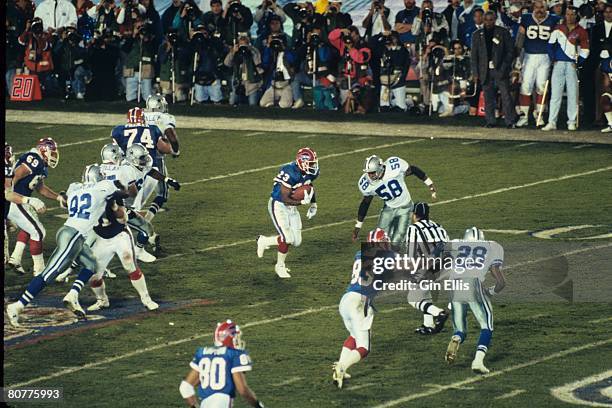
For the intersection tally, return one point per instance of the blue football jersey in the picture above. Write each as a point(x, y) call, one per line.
point(126, 135)
point(537, 34)
point(38, 171)
point(216, 366)
point(361, 281)
point(290, 176)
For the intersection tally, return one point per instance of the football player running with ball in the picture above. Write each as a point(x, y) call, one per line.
point(476, 298)
point(293, 178)
point(387, 181)
point(218, 371)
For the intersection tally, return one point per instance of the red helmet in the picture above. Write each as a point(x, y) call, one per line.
point(307, 161)
point(135, 116)
point(9, 160)
point(378, 235)
point(228, 334)
point(47, 148)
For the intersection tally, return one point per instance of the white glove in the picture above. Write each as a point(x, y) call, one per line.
point(307, 196)
point(312, 211)
point(38, 205)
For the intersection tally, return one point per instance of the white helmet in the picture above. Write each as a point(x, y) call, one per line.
point(92, 174)
point(111, 153)
point(157, 103)
point(138, 156)
point(473, 234)
point(374, 164)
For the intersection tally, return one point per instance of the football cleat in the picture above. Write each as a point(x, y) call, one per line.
point(63, 277)
point(572, 127)
point(149, 303)
point(338, 374)
point(523, 121)
point(12, 312)
point(479, 367)
point(144, 256)
point(439, 320)
point(16, 266)
point(100, 304)
point(282, 271)
point(261, 248)
point(71, 301)
point(607, 129)
point(155, 241)
point(425, 331)
point(452, 349)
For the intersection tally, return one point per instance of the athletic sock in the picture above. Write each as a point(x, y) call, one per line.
point(80, 281)
point(18, 252)
point(609, 118)
point(269, 241)
point(485, 339)
point(428, 320)
point(480, 355)
point(280, 259)
point(34, 288)
point(99, 290)
point(39, 263)
point(349, 358)
point(140, 284)
point(460, 334)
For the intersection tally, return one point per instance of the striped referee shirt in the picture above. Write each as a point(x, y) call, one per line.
point(424, 231)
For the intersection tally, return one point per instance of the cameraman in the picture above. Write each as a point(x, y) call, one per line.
point(427, 23)
point(152, 16)
point(355, 78)
point(129, 14)
point(104, 50)
point(279, 65)
point(263, 15)
point(239, 19)
point(394, 61)
point(104, 16)
point(71, 63)
point(245, 61)
point(458, 67)
point(275, 27)
point(334, 18)
point(213, 20)
point(175, 67)
point(139, 65)
point(189, 17)
point(209, 51)
point(377, 20)
point(37, 57)
point(304, 19)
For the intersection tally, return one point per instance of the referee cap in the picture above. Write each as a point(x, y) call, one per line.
point(421, 210)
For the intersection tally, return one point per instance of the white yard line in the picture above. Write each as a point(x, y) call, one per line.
point(41, 127)
point(258, 304)
point(395, 309)
point(201, 132)
point(359, 386)
point(276, 166)
point(141, 374)
point(507, 231)
point(86, 141)
point(95, 128)
point(566, 392)
point(254, 134)
point(581, 146)
point(475, 379)
point(471, 142)
point(527, 144)
point(510, 394)
point(288, 381)
point(605, 319)
point(362, 138)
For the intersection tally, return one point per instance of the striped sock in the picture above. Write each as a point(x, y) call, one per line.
point(80, 281)
point(34, 288)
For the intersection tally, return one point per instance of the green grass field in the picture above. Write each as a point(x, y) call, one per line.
point(292, 327)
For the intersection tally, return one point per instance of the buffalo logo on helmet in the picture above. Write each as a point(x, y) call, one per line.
point(228, 334)
point(48, 150)
point(135, 116)
point(307, 161)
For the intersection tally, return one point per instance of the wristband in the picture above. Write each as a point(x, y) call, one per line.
point(428, 182)
point(359, 224)
point(186, 389)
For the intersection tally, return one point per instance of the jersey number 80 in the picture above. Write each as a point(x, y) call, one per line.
point(212, 373)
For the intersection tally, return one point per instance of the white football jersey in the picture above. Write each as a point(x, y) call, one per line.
point(87, 203)
point(162, 120)
point(126, 174)
point(392, 186)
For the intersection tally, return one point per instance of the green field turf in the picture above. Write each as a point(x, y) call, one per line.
point(292, 327)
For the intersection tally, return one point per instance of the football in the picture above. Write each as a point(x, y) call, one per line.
point(298, 193)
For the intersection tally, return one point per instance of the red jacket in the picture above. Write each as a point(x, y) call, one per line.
point(37, 57)
point(358, 55)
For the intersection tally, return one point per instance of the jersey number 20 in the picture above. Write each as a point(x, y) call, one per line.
point(79, 206)
point(212, 373)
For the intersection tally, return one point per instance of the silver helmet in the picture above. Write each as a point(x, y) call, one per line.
point(374, 164)
point(111, 153)
point(473, 234)
point(138, 156)
point(157, 103)
point(92, 174)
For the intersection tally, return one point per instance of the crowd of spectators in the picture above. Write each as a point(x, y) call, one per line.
point(232, 54)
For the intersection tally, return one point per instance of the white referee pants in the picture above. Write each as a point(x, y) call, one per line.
point(358, 316)
point(287, 221)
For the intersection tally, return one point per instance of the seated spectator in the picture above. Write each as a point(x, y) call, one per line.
point(264, 13)
point(245, 62)
point(209, 53)
point(404, 20)
point(56, 14)
point(238, 18)
point(37, 57)
point(71, 63)
point(175, 58)
point(394, 63)
point(213, 20)
point(279, 65)
point(139, 67)
point(451, 13)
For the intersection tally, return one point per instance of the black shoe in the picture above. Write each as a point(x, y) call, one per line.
point(439, 320)
point(425, 331)
point(490, 125)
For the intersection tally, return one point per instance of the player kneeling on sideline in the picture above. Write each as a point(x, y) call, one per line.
point(218, 371)
point(87, 202)
point(476, 297)
point(357, 311)
point(283, 203)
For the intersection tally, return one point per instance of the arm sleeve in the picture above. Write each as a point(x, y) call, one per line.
point(363, 209)
point(416, 171)
point(334, 39)
point(194, 362)
point(241, 362)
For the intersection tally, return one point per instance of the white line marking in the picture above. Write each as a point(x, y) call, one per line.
point(566, 392)
point(471, 142)
point(254, 134)
point(201, 132)
point(527, 144)
point(307, 136)
point(438, 386)
point(581, 146)
point(362, 138)
point(475, 379)
point(605, 319)
point(95, 129)
point(141, 374)
point(62, 145)
point(359, 386)
point(510, 394)
point(507, 231)
point(44, 127)
point(288, 381)
point(276, 166)
point(258, 304)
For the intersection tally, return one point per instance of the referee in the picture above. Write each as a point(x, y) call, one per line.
point(422, 238)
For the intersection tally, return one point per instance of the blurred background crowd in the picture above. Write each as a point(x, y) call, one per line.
point(509, 58)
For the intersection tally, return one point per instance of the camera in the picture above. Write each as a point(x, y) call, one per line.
point(347, 39)
point(244, 51)
point(587, 10)
point(37, 26)
point(200, 38)
point(172, 38)
point(427, 16)
point(377, 5)
point(146, 29)
point(277, 43)
point(303, 13)
point(332, 9)
point(315, 39)
point(494, 5)
point(73, 38)
point(234, 7)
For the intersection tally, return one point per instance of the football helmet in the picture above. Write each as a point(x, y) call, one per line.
point(135, 116)
point(47, 148)
point(473, 234)
point(138, 156)
point(378, 235)
point(374, 166)
point(92, 174)
point(157, 103)
point(306, 160)
point(111, 153)
point(9, 159)
point(228, 334)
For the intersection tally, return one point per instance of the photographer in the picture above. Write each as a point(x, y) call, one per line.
point(189, 17)
point(245, 62)
point(239, 19)
point(104, 50)
point(355, 79)
point(104, 16)
point(139, 67)
point(275, 28)
point(378, 20)
point(304, 20)
point(458, 67)
point(175, 67)
point(71, 63)
point(451, 13)
point(263, 15)
point(209, 52)
point(18, 12)
point(128, 15)
point(152, 16)
point(427, 23)
point(37, 57)
point(279, 65)
point(334, 18)
point(394, 62)
point(213, 20)
point(56, 14)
